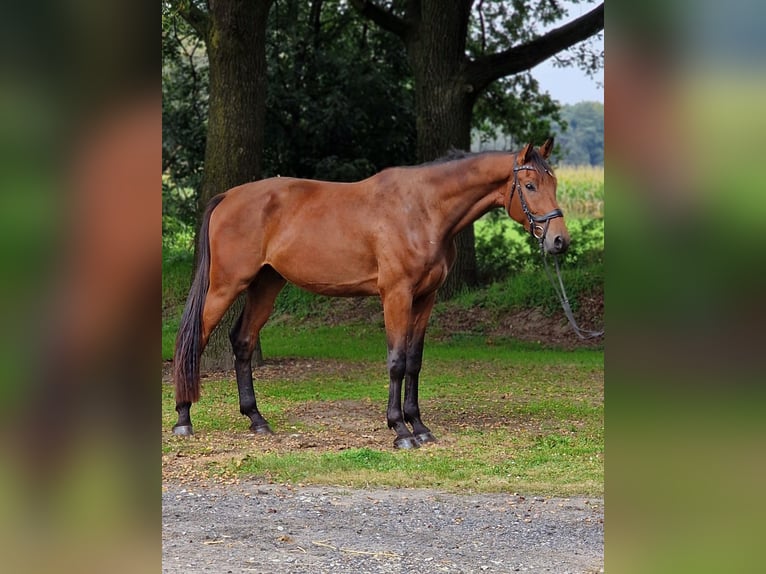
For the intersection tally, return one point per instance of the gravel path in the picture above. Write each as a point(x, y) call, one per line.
point(269, 529)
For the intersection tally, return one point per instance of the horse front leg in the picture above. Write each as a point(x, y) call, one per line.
point(421, 312)
point(396, 312)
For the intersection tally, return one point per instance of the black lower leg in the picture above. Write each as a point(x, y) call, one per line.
point(411, 404)
point(184, 426)
point(394, 414)
point(247, 403)
point(243, 352)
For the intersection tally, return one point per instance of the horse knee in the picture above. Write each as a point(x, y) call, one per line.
point(414, 363)
point(397, 364)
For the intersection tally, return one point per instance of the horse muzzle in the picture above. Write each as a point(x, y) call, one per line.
point(555, 244)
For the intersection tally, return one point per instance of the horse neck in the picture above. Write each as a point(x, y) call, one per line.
point(469, 188)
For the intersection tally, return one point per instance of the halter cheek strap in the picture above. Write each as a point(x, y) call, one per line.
point(534, 220)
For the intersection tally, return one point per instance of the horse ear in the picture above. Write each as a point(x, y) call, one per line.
point(526, 153)
point(547, 148)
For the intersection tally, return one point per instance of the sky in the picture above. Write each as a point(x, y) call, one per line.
point(571, 85)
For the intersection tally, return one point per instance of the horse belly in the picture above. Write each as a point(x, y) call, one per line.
point(328, 270)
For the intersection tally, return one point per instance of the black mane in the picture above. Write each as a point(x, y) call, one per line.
point(536, 160)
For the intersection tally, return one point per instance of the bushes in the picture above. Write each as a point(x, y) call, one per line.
point(530, 288)
point(505, 249)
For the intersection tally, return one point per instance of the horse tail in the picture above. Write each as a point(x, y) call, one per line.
point(186, 362)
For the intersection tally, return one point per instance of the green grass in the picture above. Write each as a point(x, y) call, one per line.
point(362, 341)
point(176, 278)
point(533, 467)
point(510, 417)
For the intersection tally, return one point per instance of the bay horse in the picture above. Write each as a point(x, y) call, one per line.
point(390, 235)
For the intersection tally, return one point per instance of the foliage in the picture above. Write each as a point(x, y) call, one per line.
point(512, 105)
point(331, 115)
point(515, 106)
point(504, 249)
point(582, 140)
point(184, 116)
point(177, 264)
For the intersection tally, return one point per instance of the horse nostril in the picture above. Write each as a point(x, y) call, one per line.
point(559, 244)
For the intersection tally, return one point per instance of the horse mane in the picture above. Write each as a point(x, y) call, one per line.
point(454, 154)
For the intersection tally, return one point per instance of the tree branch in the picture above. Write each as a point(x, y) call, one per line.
point(483, 71)
point(383, 18)
point(194, 15)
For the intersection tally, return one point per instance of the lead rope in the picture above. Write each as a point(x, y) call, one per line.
point(562, 295)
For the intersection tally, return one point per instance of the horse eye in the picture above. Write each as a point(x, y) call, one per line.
point(530, 186)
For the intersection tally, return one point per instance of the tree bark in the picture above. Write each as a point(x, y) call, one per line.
point(436, 49)
point(236, 46)
point(235, 37)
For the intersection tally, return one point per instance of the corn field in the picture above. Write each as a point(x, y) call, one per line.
point(581, 191)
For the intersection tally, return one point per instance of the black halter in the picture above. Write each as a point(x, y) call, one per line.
point(534, 220)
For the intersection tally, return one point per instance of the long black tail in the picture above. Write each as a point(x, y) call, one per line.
point(187, 355)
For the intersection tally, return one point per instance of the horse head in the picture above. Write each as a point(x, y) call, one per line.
point(532, 198)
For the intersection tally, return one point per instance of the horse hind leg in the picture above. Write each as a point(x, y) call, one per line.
point(259, 304)
point(217, 301)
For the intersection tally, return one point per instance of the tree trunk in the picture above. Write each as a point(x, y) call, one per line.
point(236, 45)
point(444, 105)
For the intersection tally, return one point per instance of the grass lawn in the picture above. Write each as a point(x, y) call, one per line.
point(509, 416)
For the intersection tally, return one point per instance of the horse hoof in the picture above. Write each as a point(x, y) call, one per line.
point(425, 437)
point(406, 442)
point(183, 430)
point(262, 429)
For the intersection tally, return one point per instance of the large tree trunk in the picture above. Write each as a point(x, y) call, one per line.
point(236, 45)
point(444, 106)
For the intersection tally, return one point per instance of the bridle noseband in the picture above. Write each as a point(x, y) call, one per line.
point(535, 221)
